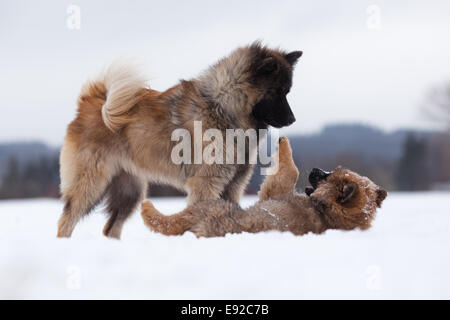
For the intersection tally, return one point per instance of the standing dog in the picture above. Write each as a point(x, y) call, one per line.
point(121, 136)
point(341, 199)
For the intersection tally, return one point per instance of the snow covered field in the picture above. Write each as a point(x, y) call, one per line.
point(405, 255)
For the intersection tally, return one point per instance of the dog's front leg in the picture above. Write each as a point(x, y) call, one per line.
point(284, 180)
point(205, 186)
point(235, 188)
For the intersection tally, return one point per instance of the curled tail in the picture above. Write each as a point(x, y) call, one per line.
point(118, 86)
point(173, 225)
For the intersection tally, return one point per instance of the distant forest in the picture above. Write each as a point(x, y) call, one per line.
point(401, 160)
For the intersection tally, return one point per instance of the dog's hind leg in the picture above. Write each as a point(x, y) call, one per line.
point(176, 224)
point(124, 193)
point(86, 190)
point(284, 180)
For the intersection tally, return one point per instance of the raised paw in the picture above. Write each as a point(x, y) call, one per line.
point(284, 150)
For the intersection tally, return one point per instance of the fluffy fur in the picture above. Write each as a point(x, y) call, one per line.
point(122, 82)
point(340, 200)
point(121, 136)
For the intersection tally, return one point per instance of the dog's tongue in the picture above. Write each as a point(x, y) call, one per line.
point(309, 190)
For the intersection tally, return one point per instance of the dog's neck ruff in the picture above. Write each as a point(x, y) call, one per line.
point(225, 86)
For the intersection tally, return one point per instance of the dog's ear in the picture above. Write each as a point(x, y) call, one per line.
point(293, 56)
point(348, 192)
point(267, 66)
point(381, 195)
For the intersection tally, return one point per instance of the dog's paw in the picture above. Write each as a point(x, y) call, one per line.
point(284, 150)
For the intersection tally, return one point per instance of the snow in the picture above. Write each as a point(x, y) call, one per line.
point(405, 255)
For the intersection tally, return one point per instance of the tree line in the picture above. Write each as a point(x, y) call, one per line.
point(423, 164)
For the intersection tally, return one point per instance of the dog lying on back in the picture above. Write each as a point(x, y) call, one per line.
point(341, 199)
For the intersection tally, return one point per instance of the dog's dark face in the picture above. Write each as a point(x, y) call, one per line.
point(344, 199)
point(272, 74)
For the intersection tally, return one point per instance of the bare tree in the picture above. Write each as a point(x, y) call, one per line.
point(437, 105)
point(437, 108)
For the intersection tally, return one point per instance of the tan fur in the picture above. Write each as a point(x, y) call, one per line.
point(123, 128)
point(285, 177)
point(279, 208)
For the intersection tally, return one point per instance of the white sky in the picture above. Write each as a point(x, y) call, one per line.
point(348, 72)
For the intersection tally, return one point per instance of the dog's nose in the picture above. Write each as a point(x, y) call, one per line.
point(291, 119)
point(317, 175)
point(309, 191)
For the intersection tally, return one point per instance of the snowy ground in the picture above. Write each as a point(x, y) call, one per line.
point(405, 255)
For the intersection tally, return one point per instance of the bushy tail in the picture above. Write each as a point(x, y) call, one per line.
point(121, 83)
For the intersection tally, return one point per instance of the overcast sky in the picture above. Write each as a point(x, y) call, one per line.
point(355, 67)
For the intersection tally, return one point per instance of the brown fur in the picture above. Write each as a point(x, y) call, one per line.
point(122, 134)
point(280, 207)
